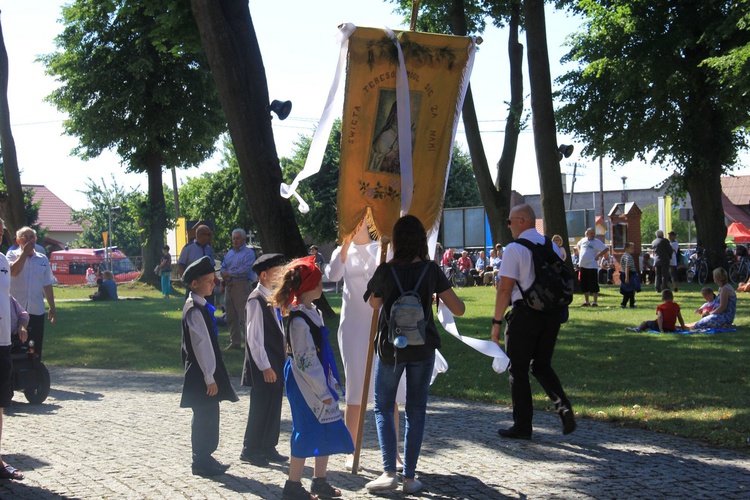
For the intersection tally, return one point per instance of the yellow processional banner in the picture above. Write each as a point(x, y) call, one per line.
point(437, 69)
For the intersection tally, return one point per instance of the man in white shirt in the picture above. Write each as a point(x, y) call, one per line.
point(6, 365)
point(530, 335)
point(31, 282)
point(590, 250)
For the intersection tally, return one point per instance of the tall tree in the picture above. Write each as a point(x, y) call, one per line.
point(11, 199)
point(231, 45)
point(134, 79)
point(543, 121)
point(667, 83)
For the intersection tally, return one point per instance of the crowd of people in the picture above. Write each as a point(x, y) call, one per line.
point(269, 302)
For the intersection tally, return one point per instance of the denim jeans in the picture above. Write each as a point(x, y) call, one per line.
point(387, 377)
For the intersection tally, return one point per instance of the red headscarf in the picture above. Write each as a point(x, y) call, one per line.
point(310, 274)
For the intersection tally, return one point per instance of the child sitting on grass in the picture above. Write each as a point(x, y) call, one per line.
point(667, 314)
point(710, 297)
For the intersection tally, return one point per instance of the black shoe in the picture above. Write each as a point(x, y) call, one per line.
point(323, 489)
point(275, 457)
point(256, 460)
point(207, 470)
point(215, 463)
point(568, 420)
point(513, 433)
point(293, 490)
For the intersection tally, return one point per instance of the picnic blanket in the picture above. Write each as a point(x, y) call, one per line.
point(706, 330)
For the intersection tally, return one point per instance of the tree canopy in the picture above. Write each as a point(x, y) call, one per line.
point(127, 233)
point(131, 83)
point(135, 79)
point(219, 197)
point(663, 82)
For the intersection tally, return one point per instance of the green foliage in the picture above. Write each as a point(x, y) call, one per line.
point(130, 85)
point(650, 224)
point(434, 16)
point(128, 231)
point(218, 197)
point(645, 88)
point(462, 190)
point(319, 191)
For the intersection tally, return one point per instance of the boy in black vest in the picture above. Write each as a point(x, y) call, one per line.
point(206, 378)
point(265, 353)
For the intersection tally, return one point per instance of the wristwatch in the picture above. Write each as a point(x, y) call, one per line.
point(497, 321)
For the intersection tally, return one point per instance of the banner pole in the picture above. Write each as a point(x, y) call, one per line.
point(368, 374)
point(414, 14)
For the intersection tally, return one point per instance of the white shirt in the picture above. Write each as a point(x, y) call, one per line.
point(28, 286)
point(675, 249)
point(255, 333)
point(4, 301)
point(518, 262)
point(588, 250)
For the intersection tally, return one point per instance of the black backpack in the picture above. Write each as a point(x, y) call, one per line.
point(552, 290)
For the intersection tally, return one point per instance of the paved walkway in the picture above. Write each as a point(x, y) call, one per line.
point(116, 434)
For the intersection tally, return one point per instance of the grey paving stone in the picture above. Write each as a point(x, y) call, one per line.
point(121, 435)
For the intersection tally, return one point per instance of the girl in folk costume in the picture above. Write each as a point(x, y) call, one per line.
point(310, 376)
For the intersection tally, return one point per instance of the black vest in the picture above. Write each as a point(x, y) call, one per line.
point(273, 343)
point(194, 387)
point(315, 332)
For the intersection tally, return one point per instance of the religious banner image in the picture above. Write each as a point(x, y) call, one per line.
point(437, 70)
point(384, 150)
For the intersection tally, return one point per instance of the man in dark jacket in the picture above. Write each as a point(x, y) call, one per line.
point(662, 251)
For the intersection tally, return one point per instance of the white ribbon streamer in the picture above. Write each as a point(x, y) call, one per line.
point(403, 112)
point(320, 138)
point(488, 348)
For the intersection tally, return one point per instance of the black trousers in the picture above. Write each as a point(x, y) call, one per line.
point(530, 339)
point(36, 331)
point(263, 418)
point(204, 431)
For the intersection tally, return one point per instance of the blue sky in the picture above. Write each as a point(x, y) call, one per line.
point(297, 39)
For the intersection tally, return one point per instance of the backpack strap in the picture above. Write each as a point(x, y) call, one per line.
point(419, 281)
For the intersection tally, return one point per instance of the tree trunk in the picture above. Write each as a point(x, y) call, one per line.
point(233, 53)
point(543, 122)
point(495, 198)
point(154, 218)
point(12, 206)
point(232, 49)
point(507, 161)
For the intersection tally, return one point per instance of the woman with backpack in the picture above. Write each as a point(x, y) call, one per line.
point(409, 270)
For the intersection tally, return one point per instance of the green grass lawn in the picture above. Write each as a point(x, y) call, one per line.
point(696, 386)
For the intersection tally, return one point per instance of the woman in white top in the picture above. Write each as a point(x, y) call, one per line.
point(355, 261)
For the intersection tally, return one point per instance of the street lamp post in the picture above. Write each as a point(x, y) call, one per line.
point(108, 249)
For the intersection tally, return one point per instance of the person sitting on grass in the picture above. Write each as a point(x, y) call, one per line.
point(723, 315)
point(710, 297)
point(667, 314)
point(107, 287)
